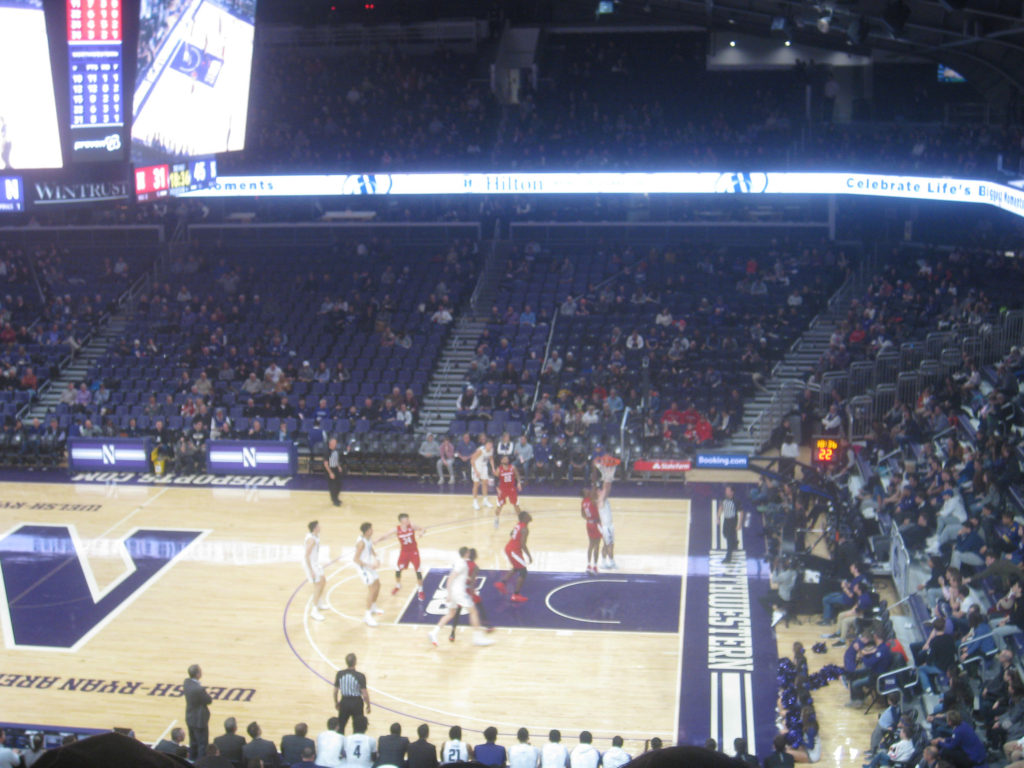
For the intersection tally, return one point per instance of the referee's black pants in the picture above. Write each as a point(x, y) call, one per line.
point(350, 706)
point(729, 531)
point(334, 486)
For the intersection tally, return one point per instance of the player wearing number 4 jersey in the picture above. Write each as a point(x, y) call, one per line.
point(509, 485)
point(410, 553)
point(359, 748)
point(518, 555)
point(455, 750)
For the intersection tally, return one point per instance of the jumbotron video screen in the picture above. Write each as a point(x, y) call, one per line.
point(29, 133)
point(192, 83)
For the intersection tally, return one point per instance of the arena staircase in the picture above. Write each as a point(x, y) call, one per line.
point(77, 368)
point(438, 407)
point(763, 413)
point(778, 397)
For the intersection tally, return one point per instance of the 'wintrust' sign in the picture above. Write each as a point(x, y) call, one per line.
point(84, 192)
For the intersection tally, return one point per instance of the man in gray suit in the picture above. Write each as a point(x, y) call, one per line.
point(197, 713)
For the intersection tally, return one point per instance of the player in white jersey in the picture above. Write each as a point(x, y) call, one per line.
point(455, 750)
point(523, 754)
point(616, 756)
point(584, 754)
point(458, 597)
point(604, 511)
point(314, 571)
point(481, 465)
point(367, 563)
point(554, 754)
point(359, 748)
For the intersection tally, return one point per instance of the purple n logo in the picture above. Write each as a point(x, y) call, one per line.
point(50, 596)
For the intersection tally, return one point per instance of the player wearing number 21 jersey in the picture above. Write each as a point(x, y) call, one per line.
point(455, 750)
point(509, 486)
point(409, 555)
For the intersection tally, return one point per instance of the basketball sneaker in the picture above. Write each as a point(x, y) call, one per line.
point(315, 615)
point(396, 590)
point(377, 610)
point(500, 586)
point(432, 634)
point(370, 621)
point(421, 596)
point(611, 565)
point(487, 503)
point(479, 639)
point(517, 598)
point(476, 504)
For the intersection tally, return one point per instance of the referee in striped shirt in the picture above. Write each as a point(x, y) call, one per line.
point(332, 464)
point(350, 693)
point(731, 519)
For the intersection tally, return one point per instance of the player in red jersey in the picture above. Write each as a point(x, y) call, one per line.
point(518, 555)
point(474, 595)
point(509, 485)
point(410, 553)
point(588, 511)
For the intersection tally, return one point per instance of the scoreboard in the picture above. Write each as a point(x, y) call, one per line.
point(12, 194)
point(95, 78)
point(153, 182)
point(193, 175)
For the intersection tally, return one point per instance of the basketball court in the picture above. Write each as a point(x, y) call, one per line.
point(113, 590)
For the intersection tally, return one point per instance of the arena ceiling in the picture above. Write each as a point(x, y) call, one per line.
point(982, 39)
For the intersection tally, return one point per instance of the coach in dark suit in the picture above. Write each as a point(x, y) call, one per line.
point(391, 749)
point(422, 754)
point(174, 745)
point(780, 758)
point(293, 744)
point(197, 713)
point(260, 748)
point(230, 743)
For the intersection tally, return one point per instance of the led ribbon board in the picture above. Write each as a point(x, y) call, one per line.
point(668, 183)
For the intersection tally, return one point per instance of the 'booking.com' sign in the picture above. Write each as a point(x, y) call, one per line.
point(722, 461)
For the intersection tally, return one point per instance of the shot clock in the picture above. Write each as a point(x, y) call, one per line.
point(825, 452)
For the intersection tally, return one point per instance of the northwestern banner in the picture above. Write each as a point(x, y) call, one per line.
point(114, 453)
point(941, 189)
point(251, 457)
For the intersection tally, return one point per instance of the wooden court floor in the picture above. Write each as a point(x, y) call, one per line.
point(236, 602)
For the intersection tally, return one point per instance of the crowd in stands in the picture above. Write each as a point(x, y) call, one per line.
point(278, 347)
point(600, 102)
point(680, 348)
point(942, 472)
point(53, 299)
